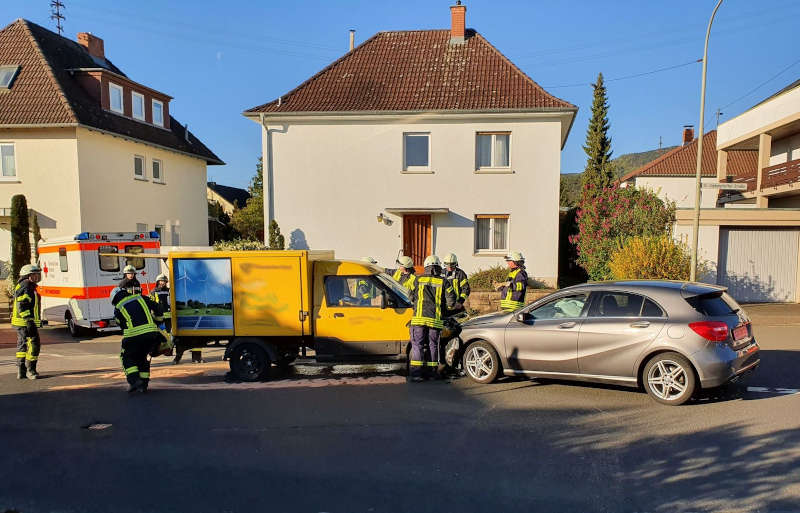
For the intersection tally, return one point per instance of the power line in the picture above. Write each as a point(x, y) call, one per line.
point(55, 14)
point(762, 84)
point(626, 77)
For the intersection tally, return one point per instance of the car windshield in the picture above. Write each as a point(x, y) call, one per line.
point(395, 287)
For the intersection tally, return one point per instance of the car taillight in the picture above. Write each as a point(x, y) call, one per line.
point(102, 324)
point(715, 331)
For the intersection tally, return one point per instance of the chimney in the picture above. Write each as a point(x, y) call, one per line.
point(458, 15)
point(688, 134)
point(352, 39)
point(93, 44)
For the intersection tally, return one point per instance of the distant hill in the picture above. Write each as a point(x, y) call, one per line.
point(571, 182)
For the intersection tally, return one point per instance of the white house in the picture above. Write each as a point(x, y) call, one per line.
point(418, 142)
point(91, 149)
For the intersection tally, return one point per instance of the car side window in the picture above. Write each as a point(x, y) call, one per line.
point(650, 309)
point(565, 307)
point(616, 304)
point(351, 291)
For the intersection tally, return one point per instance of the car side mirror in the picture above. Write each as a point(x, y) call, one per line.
point(525, 317)
point(383, 300)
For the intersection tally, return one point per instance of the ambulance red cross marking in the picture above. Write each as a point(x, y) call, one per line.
point(45, 270)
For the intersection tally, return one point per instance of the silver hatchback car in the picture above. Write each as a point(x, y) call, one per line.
point(669, 338)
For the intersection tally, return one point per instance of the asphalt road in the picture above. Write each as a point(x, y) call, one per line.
point(359, 439)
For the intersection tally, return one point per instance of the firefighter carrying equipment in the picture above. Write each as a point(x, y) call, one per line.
point(432, 296)
point(514, 292)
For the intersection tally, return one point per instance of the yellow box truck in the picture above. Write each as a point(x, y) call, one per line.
point(270, 304)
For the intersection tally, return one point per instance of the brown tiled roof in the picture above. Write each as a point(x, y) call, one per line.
point(418, 71)
point(45, 93)
point(682, 161)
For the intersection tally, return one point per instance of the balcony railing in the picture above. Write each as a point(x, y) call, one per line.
point(782, 174)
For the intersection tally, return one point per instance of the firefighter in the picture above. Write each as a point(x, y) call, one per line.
point(432, 296)
point(26, 318)
point(458, 280)
point(138, 316)
point(513, 291)
point(160, 295)
point(405, 274)
point(129, 281)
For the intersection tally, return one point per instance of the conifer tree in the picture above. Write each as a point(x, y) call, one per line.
point(20, 235)
point(599, 171)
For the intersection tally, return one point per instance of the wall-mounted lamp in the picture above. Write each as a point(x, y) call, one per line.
point(384, 219)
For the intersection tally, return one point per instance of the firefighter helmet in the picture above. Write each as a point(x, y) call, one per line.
point(369, 260)
point(129, 269)
point(30, 269)
point(450, 259)
point(162, 277)
point(405, 261)
point(114, 292)
point(432, 260)
point(515, 256)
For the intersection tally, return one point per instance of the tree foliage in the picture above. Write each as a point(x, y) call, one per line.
point(651, 258)
point(249, 220)
point(276, 240)
point(37, 235)
point(222, 229)
point(20, 235)
point(239, 245)
point(599, 171)
point(610, 215)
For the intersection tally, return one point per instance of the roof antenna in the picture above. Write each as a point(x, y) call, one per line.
point(55, 14)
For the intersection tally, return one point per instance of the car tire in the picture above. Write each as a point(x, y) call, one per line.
point(249, 362)
point(480, 362)
point(74, 329)
point(669, 378)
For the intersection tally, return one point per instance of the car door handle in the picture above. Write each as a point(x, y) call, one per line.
point(338, 314)
point(640, 324)
point(566, 325)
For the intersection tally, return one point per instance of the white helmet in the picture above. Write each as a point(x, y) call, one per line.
point(515, 256)
point(162, 277)
point(369, 260)
point(432, 260)
point(129, 269)
point(405, 261)
point(450, 259)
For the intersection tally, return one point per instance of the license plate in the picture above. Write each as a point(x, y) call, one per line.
point(740, 332)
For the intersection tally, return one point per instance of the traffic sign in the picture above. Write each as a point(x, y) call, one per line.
point(726, 186)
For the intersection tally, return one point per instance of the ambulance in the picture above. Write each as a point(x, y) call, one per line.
point(79, 273)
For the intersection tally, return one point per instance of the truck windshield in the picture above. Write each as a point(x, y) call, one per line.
point(395, 287)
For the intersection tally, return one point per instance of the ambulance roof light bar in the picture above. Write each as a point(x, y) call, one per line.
point(123, 236)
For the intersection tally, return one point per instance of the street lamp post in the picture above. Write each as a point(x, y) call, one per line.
point(695, 234)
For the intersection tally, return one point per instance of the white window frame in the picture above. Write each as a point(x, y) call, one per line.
point(134, 96)
point(493, 251)
point(112, 86)
point(160, 178)
point(492, 168)
point(15, 176)
point(153, 110)
point(160, 229)
point(144, 167)
point(417, 169)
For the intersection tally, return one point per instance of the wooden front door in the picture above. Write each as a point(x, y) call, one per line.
point(417, 238)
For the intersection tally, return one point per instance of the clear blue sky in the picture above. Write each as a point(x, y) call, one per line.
point(219, 58)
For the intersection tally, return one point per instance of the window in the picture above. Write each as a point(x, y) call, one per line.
point(138, 167)
point(157, 171)
point(416, 152)
point(491, 233)
point(137, 105)
point(160, 230)
point(351, 291)
point(115, 98)
point(492, 150)
point(158, 113)
point(141, 227)
point(8, 161)
point(567, 307)
point(620, 304)
point(63, 264)
point(714, 304)
point(7, 75)
point(137, 262)
point(650, 309)
point(176, 237)
point(108, 263)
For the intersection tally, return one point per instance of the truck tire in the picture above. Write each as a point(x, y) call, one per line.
point(249, 362)
point(74, 330)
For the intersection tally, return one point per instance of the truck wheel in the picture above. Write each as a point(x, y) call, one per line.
point(73, 328)
point(249, 362)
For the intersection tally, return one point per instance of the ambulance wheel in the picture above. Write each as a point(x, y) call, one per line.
point(249, 362)
point(73, 328)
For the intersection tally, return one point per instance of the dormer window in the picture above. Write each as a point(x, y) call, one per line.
point(7, 76)
point(115, 98)
point(138, 106)
point(158, 113)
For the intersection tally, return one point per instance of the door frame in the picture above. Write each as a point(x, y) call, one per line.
point(428, 236)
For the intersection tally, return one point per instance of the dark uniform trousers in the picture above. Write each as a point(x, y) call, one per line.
point(135, 355)
point(424, 350)
point(28, 344)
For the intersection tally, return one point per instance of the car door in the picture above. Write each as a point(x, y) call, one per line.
point(545, 337)
point(617, 328)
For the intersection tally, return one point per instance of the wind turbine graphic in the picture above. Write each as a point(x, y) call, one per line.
point(204, 281)
point(185, 278)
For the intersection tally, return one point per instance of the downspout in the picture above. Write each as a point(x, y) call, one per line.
point(266, 170)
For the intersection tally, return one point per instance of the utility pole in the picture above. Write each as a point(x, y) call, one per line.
point(55, 14)
point(695, 233)
point(659, 142)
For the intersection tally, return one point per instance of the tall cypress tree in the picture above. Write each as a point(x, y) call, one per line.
point(599, 170)
point(20, 236)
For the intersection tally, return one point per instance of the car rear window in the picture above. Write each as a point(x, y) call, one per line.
point(714, 304)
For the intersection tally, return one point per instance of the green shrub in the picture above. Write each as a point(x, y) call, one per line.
point(483, 279)
point(651, 258)
point(239, 245)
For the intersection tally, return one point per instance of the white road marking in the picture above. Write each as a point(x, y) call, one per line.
point(768, 390)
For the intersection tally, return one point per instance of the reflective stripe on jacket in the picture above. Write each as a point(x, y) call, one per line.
point(432, 296)
point(406, 279)
point(26, 304)
point(161, 297)
point(458, 279)
point(514, 292)
point(134, 315)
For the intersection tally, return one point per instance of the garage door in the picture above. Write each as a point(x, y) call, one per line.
point(759, 265)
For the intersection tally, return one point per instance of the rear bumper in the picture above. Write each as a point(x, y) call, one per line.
point(720, 365)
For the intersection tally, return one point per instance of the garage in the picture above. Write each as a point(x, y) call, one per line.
point(759, 264)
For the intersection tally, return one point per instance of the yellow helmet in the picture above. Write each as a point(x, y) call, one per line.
point(450, 259)
point(432, 260)
point(405, 261)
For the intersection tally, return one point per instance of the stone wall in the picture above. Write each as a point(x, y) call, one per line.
point(486, 302)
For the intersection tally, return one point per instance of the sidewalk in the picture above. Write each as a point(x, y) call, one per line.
point(774, 314)
point(54, 334)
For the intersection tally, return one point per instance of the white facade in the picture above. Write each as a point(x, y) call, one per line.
point(773, 113)
point(327, 181)
point(679, 189)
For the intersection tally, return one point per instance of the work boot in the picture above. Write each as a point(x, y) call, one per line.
point(177, 358)
point(32, 374)
point(197, 357)
point(137, 386)
point(21, 371)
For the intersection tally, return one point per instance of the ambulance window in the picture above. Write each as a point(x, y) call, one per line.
point(108, 263)
point(62, 260)
point(138, 263)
